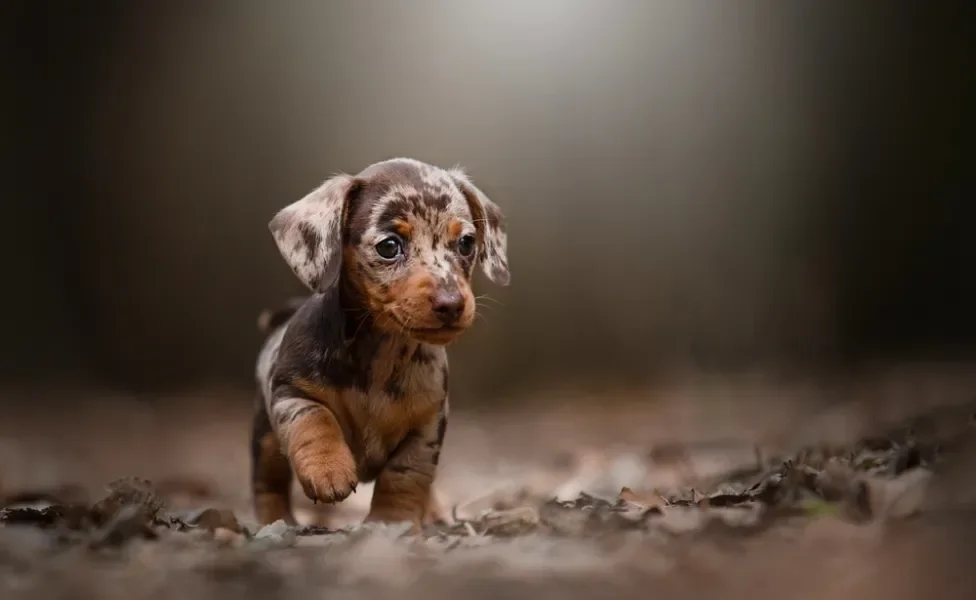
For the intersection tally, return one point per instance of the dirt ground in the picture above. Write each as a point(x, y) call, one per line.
point(706, 487)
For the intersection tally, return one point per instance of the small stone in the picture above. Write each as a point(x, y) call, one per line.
point(390, 531)
point(199, 535)
point(228, 537)
point(276, 533)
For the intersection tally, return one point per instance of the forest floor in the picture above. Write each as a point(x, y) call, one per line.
point(718, 488)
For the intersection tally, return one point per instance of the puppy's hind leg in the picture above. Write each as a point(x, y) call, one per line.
point(271, 473)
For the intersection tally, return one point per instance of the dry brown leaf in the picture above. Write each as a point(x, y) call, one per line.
point(129, 491)
point(646, 499)
point(510, 522)
point(69, 517)
point(501, 498)
point(213, 518)
point(836, 481)
point(902, 496)
point(128, 522)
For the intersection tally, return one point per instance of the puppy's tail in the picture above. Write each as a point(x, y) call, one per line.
point(273, 318)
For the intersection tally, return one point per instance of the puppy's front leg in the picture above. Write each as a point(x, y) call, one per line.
point(403, 487)
point(315, 445)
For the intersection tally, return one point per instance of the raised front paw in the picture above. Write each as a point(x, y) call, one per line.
point(327, 476)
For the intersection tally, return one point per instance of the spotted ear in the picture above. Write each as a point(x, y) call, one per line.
point(309, 232)
point(490, 223)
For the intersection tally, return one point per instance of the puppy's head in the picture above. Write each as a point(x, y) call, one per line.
point(403, 234)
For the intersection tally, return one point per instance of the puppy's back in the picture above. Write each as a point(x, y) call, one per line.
point(272, 323)
point(271, 319)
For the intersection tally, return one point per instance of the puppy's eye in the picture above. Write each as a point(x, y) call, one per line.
point(389, 248)
point(466, 245)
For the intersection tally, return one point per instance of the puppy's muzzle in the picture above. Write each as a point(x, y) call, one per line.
point(448, 306)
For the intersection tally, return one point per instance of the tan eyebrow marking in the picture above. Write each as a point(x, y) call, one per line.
point(454, 229)
point(403, 228)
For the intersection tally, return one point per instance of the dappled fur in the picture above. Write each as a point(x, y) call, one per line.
point(354, 378)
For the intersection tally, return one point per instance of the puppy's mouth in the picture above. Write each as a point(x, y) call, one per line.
point(442, 330)
point(434, 335)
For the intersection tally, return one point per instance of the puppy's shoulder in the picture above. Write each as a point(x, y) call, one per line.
point(307, 337)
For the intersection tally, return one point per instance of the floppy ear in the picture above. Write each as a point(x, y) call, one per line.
point(309, 232)
point(490, 223)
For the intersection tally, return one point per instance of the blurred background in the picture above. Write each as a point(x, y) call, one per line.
point(735, 221)
point(686, 184)
point(689, 187)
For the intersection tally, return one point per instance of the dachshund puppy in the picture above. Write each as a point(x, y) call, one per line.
point(353, 379)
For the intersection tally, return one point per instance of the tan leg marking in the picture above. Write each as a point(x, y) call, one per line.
point(322, 461)
point(270, 474)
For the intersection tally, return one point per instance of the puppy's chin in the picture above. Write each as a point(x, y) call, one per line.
point(441, 336)
point(435, 335)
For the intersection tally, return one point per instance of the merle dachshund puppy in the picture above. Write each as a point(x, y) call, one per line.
point(354, 378)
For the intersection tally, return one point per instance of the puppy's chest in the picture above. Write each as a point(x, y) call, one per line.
point(402, 398)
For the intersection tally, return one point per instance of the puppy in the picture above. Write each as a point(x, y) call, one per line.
point(354, 379)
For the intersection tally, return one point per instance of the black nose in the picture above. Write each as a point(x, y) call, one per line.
point(448, 306)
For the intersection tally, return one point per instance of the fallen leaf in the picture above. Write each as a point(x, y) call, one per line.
point(510, 522)
point(129, 491)
point(649, 500)
point(129, 522)
point(904, 495)
point(72, 517)
point(213, 518)
point(835, 482)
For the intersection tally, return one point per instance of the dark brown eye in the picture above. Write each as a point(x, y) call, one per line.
point(466, 245)
point(389, 248)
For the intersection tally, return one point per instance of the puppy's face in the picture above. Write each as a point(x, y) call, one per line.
point(406, 235)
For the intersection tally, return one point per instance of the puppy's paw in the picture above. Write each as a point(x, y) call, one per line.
point(327, 476)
